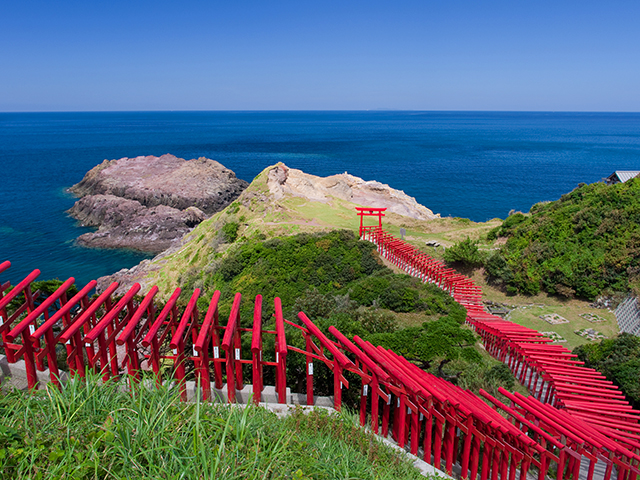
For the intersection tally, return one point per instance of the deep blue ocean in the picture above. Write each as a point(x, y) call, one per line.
point(477, 165)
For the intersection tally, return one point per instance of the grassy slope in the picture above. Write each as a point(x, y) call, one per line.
point(259, 214)
point(94, 430)
point(529, 308)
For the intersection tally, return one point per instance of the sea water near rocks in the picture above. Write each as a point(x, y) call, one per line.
point(477, 165)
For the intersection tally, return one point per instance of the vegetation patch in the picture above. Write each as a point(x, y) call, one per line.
point(585, 244)
point(102, 431)
point(590, 334)
point(338, 280)
point(619, 360)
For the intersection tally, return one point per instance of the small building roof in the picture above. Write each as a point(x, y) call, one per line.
point(624, 175)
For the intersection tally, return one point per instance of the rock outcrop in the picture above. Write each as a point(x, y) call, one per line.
point(276, 183)
point(148, 203)
point(289, 181)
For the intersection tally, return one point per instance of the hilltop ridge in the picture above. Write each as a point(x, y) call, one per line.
point(279, 201)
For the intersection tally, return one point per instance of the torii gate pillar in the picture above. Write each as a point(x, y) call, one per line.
point(369, 212)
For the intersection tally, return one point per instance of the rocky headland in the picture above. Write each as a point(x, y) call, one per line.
point(149, 203)
point(284, 181)
point(279, 201)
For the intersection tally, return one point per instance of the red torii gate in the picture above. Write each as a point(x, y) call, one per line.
point(370, 212)
point(587, 417)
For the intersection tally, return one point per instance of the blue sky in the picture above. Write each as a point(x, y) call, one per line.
point(330, 55)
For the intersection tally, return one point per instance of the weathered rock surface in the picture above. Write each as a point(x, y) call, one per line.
point(289, 181)
point(166, 180)
point(281, 182)
point(128, 224)
point(148, 203)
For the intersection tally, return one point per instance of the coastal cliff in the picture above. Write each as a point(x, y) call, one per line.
point(280, 201)
point(284, 181)
point(148, 203)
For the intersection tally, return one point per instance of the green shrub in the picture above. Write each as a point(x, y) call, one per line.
point(619, 359)
point(585, 244)
point(465, 252)
point(230, 232)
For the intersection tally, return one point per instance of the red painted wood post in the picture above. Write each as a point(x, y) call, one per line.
point(28, 295)
point(151, 340)
point(256, 350)
point(128, 338)
point(202, 345)
point(178, 342)
point(23, 287)
point(27, 327)
point(375, 404)
point(340, 360)
point(513, 466)
point(3, 311)
point(475, 456)
point(109, 322)
point(608, 471)
point(237, 344)
point(113, 348)
point(376, 372)
point(228, 345)
point(415, 432)
point(363, 400)
point(32, 378)
point(428, 437)
point(281, 353)
point(450, 430)
point(503, 463)
point(216, 345)
point(402, 421)
point(337, 385)
point(487, 454)
point(64, 313)
point(456, 441)
point(83, 321)
point(407, 422)
point(576, 467)
point(437, 450)
point(76, 345)
point(466, 449)
point(309, 373)
point(385, 416)
point(395, 406)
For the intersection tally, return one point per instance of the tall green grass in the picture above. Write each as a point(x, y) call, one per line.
point(94, 431)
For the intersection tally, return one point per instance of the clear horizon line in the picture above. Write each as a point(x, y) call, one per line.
point(319, 110)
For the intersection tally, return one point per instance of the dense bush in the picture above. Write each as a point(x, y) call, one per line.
point(584, 244)
point(441, 339)
point(465, 252)
point(230, 232)
point(617, 358)
point(292, 267)
point(339, 280)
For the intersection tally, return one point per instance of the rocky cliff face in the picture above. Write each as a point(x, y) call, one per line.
point(147, 203)
point(289, 181)
point(264, 205)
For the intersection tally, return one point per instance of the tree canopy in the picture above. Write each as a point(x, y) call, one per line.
point(584, 244)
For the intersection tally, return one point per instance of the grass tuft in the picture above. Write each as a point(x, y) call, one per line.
point(97, 430)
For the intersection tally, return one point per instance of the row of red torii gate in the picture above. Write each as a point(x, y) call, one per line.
point(574, 424)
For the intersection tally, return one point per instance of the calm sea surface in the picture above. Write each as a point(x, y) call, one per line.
point(478, 165)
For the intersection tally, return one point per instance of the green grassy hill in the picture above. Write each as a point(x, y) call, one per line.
point(257, 215)
point(585, 244)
